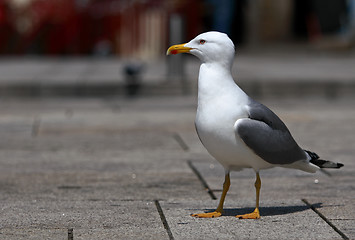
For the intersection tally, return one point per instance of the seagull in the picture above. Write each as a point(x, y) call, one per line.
point(236, 130)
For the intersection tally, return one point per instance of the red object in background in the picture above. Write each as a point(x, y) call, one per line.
point(122, 27)
point(57, 26)
point(54, 28)
point(6, 29)
point(313, 27)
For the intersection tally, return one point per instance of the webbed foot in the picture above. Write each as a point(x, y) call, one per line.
point(253, 215)
point(207, 215)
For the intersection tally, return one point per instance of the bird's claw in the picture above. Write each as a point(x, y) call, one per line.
point(207, 215)
point(253, 215)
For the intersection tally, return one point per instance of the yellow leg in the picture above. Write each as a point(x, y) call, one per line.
point(255, 214)
point(219, 209)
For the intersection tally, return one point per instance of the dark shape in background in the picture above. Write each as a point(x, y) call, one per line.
point(140, 29)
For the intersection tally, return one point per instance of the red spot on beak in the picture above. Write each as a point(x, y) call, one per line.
point(174, 52)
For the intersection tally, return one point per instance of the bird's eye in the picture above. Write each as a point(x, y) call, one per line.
point(202, 42)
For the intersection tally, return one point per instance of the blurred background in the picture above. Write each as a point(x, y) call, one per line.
point(135, 34)
point(142, 28)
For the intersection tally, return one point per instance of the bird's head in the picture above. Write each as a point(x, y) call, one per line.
point(208, 47)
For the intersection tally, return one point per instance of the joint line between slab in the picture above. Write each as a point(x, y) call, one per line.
point(163, 219)
point(70, 234)
point(35, 126)
point(202, 180)
point(181, 142)
point(325, 219)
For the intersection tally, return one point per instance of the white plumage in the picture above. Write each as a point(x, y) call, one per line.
point(236, 130)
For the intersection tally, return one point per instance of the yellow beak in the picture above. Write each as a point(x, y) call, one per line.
point(175, 49)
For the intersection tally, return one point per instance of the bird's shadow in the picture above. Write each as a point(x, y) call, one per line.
point(268, 211)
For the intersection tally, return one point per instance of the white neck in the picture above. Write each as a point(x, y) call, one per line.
point(215, 81)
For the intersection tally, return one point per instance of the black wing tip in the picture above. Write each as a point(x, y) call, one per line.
point(322, 163)
point(326, 164)
point(339, 165)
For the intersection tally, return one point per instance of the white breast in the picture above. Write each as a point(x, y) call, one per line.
point(220, 105)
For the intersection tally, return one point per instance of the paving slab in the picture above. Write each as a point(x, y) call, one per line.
point(104, 162)
point(88, 219)
point(94, 165)
point(33, 233)
point(290, 219)
point(340, 212)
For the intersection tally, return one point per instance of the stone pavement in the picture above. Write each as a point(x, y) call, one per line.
point(118, 168)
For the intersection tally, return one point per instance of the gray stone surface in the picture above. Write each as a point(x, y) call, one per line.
point(99, 166)
point(281, 219)
point(89, 219)
point(267, 72)
point(340, 212)
point(33, 233)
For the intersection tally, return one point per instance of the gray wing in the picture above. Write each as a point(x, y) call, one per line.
point(265, 134)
